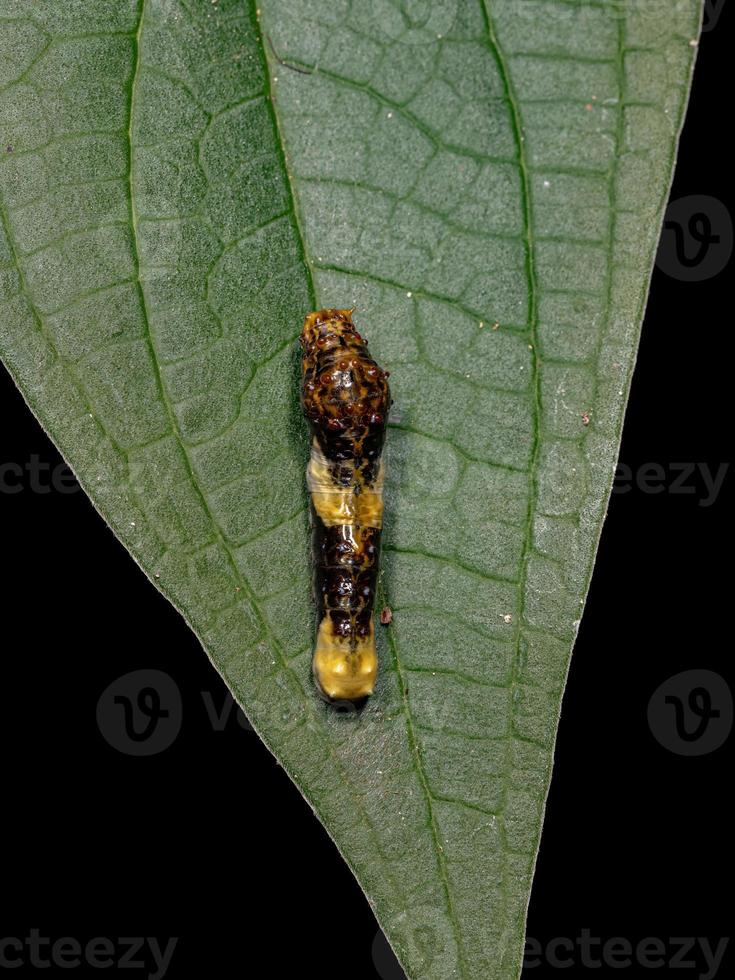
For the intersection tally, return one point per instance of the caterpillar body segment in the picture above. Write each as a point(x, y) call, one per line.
point(346, 398)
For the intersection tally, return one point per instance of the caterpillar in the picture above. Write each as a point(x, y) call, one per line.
point(345, 398)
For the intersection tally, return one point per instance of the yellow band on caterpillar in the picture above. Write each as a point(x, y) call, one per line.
point(342, 505)
point(342, 672)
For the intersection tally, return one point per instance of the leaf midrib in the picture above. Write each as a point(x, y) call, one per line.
point(529, 247)
point(528, 242)
point(245, 585)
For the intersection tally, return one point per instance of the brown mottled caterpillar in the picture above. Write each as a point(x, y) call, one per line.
point(345, 397)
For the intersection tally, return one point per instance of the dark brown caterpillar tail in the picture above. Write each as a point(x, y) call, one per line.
point(345, 397)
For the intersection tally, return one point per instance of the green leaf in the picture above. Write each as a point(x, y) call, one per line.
point(180, 183)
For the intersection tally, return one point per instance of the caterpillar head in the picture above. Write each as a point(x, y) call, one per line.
point(326, 329)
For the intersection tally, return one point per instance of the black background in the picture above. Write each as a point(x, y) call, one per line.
point(209, 841)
